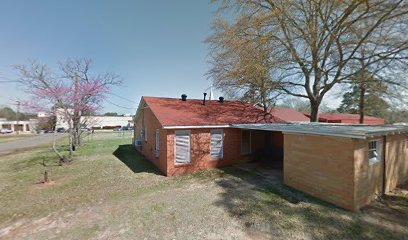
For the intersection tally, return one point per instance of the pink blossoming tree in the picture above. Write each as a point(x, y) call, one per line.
point(68, 93)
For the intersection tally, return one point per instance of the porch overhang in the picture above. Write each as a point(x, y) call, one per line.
point(325, 129)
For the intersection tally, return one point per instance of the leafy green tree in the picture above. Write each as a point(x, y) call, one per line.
point(8, 113)
point(366, 97)
point(111, 114)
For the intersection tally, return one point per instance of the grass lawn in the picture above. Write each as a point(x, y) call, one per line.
point(111, 192)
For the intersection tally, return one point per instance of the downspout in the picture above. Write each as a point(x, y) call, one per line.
point(384, 176)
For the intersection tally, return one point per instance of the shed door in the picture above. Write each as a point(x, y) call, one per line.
point(182, 147)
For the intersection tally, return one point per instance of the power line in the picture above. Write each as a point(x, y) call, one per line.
point(120, 105)
point(116, 95)
point(8, 81)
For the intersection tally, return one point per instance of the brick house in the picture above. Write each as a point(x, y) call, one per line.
point(202, 133)
point(346, 165)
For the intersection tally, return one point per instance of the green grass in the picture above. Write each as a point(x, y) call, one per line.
point(110, 191)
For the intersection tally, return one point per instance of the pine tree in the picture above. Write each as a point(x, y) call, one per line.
point(373, 104)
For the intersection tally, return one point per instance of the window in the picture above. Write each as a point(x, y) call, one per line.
point(157, 148)
point(217, 145)
point(246, 141)
point(182, 147)
point(145, 134)
point(374, 152)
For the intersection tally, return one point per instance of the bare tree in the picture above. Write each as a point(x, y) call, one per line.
point(241, 66)
point(380, 64)
point(313, 44)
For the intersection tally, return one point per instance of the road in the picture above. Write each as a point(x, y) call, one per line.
point(27, 143)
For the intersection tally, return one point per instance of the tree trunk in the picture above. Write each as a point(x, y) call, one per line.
point(46, 179)
point(71, 144)
point(314, 111)
point(361, 102)
point(265, 107)
point(54, 147)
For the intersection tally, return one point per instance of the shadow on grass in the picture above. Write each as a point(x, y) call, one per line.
point(134, 160)
point(268, 206)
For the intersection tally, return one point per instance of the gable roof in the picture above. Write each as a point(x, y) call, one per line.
point(288, 115)
point(174, 112)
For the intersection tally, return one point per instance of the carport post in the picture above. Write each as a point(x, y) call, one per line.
point(384, 175)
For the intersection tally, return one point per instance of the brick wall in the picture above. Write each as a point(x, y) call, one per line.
point(321, 166)
point(368, 178)
point(200, 151)
point(396, 161)
point(147, 119)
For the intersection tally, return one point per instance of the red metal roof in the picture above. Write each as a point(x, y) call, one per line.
point(289, 115)
point(174, 112)
point(348, 118)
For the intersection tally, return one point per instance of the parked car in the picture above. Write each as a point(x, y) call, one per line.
point(84, 129)
point(45, 130)
point(61, 130)
point(5, 131)
point(118, 129)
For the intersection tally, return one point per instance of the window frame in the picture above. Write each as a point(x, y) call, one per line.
point(377, 151)
point(217, 131)
point(250, 142)
point(145, 134)
point(175, 147)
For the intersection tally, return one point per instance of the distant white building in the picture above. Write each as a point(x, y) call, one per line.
point(107, 122)
point(44, 114)
point(19, 126)
point(101, 122)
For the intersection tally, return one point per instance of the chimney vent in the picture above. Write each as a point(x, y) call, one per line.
point(183, 97)
point(205, 94)
point(221, 99)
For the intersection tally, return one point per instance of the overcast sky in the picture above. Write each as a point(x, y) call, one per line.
point(157, 47)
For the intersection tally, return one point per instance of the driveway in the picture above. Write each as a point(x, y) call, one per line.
point(28, 142)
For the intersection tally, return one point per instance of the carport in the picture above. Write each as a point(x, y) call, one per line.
point(347, 165)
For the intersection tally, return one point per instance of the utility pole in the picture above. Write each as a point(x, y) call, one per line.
point(18, 117)
point(76, 110)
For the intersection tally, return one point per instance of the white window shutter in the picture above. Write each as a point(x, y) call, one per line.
point(217, 145)
point(157, 142)
point(182, 147)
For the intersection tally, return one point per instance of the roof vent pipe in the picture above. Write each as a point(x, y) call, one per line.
point(205, 94)
point(221, 99)
point(183, 97)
